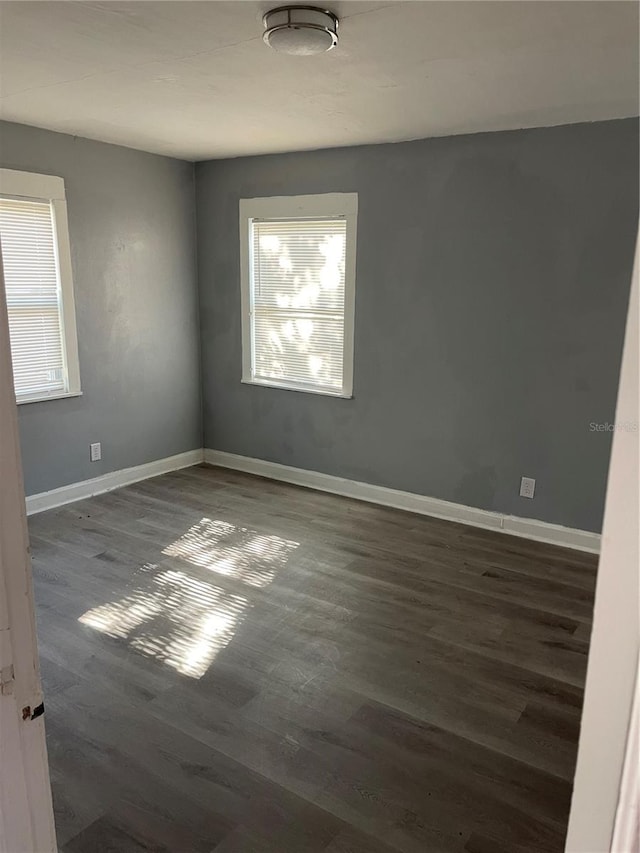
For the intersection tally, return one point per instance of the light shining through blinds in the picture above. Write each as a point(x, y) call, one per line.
point(298, 302)
point(33, 297)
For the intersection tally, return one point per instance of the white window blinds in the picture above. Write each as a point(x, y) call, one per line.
point(29, 254)
point(298, 302)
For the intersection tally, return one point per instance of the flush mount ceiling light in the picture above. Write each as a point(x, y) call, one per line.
point(300, 30)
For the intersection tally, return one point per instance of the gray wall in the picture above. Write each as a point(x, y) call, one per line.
point(132, 231)
point(493, 274)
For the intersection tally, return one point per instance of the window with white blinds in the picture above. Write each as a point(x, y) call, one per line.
point(38, 313)
point(298, 294)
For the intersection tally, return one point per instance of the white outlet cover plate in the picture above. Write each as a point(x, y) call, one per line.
point(95, 451)
point(527, 487)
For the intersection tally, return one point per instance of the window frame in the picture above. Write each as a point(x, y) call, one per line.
point(31, 186)
point(324, 205)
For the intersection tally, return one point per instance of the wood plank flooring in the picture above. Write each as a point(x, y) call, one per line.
point(236, 665)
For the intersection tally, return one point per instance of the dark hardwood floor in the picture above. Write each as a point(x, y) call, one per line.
point(236, 665)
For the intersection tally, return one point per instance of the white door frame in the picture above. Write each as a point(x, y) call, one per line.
point(26, 813)
point(626, 832)
point(606, 737)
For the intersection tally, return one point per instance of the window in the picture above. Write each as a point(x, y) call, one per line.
point(298, 288)
point(37, 275)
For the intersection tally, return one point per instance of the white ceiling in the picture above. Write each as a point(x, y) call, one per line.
point(194, 79)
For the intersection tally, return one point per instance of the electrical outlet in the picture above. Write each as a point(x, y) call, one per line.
point(527, 487)
point(95, 451)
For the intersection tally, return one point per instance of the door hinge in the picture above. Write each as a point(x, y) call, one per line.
point(38, 711)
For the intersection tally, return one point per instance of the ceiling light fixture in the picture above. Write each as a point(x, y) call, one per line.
point(300, 30)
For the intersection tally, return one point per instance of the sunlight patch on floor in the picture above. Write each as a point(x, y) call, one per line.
point(238, 552)
point(173, 617)
point(182, 620)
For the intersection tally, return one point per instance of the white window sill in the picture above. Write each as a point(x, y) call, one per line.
point(283, 386)
point(40, 399)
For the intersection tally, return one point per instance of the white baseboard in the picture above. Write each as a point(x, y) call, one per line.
point(113, 480)
point(528, 528)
